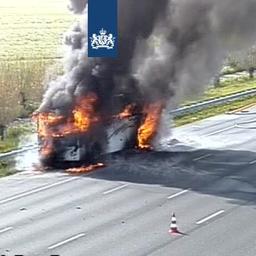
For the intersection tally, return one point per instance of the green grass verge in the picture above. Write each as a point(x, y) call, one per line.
point(5, 169)
point(32, 29)
point(31, 38)
point(225, 89)
point(12, 139)
point(212, 111)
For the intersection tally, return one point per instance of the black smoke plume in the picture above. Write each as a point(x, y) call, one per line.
point(169, 49)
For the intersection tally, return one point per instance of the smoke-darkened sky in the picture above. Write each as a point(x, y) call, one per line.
point(171, 47)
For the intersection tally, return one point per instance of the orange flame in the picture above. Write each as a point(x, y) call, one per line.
point(147, 130)
point(84, 113)
point(47, 148)
point(52, 126)
point(45, 121)
point(127, 112)
point(85, 169)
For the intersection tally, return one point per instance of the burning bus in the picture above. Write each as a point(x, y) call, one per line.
point(87, 132)
point(68, 145)
point(102, 105)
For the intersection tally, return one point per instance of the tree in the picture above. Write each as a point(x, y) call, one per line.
point(243, 60)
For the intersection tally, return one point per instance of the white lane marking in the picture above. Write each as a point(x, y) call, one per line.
point(201, 157)
point(115, 189)
point(66, 241)
point(209, 217)
point(178, 194)
point(220, 131)
point(36, 190)
point(5, 230)
point(253, 162)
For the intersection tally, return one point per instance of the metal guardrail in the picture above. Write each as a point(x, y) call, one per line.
point(211, 103)
point(175, 113)
point(17, 151)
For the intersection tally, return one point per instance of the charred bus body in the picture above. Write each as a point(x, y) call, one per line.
point(90, 147)
point(113, 132)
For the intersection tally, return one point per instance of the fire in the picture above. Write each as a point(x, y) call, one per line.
point(46, 120)
point(147, 130)
point(50, 125)
point(47, 148)
point(85, 169)
point(83, 117)
point(84, 113)
point(128, 111)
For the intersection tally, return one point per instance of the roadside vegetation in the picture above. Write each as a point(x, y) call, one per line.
point(5, 168)
point(12, 137)
point(31, 30)
point(11, 142)
point(225, 88)
point(30, 39)
point(212, 111)
point(230, 87)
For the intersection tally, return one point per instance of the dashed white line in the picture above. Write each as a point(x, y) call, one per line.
point(178, 194)
point(115, 189)
point(202, 157)
point(66, 241)
point(36, 190)
point(253, 162)
point(220, 131)
point(210, 217)
point(5, 230)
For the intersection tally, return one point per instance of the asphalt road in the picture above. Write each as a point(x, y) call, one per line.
point(207, 177)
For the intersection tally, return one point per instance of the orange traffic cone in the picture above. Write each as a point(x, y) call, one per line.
point(173, 227)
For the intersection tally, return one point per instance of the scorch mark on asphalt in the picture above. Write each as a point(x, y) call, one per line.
point(115, 189)
point(66, 241)
point(210, 217)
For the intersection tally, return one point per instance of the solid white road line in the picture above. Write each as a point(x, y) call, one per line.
point(178, 194)
point(66, 241)
point(202, 157)
point(115, 189)
point(5, 230)
point(220, 131)
point(209, 217)
point(36, 190)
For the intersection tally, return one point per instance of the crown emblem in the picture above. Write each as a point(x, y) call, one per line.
point(102, 40)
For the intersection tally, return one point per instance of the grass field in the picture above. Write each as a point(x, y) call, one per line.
point(213, 111)
point(31, 34)
point(31, 29)
point(225, 89)
point(6, 168)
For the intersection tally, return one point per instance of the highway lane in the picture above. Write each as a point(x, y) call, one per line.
point(228, 131)
point(220, 123)
point(231, 234)
point(125, 209)
point(101, 220)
